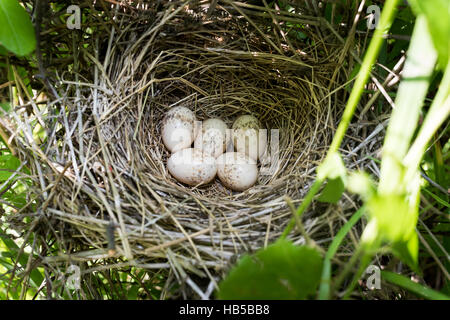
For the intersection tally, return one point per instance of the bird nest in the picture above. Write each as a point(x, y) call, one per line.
point(102, 190)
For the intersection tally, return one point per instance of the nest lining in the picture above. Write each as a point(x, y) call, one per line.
point(106, 160)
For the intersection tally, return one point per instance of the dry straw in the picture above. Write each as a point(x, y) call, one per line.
point(102, 162)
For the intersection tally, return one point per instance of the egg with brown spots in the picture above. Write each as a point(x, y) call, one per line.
point(248, 137)
point(178, 128)
point(192, 167)
point(236, 170)
point(212, 139)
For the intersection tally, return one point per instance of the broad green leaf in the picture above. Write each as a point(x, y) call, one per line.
point(332, 191)
point(281, 271)
point(5, 106)
point(132, 293)
point(16, 199)
point(3, 51)
point(13, 249)
point(8, 164)
point(393, 221)
point(408, 251)
point(332, 168)
point(16, 32)
point(437, 13)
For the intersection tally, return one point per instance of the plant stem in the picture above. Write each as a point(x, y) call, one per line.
point(439, 111)
point(411, 93)
point(365, 260)
point(308, 199)
point(386, 18)
point(324, 291)
point(299, 222)
point(348, 267)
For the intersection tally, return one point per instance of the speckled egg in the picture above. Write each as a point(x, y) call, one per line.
point(178, 128)
point(236, 170)
point(192, 167)
point(247, 138)
point(212, 138)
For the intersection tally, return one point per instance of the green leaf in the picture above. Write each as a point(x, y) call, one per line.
point(332, 191)
point(3, 51)
point(16, 199)
point(133, 292)
point(280, 271)
point(8, 164)
point(13, 250)
point(332, 168)
point(16, 32)
point(437, 13)
point(408, 252)
point(5, 106)
point(393, 220)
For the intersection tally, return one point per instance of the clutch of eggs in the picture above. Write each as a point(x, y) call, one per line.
point(199, 165)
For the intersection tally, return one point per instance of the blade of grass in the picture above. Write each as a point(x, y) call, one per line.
point(324, 290)
point(437, 198)
point(439, 170)
point(412, 286)
point(386, 19)
point(308, 199)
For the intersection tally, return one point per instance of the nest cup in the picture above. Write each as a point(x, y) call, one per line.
point(108, 162)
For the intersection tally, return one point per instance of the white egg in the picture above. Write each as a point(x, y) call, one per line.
point(248, 137)
point(192, 167)
point(236, 170)
point(212, 138)
point(178, 128)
